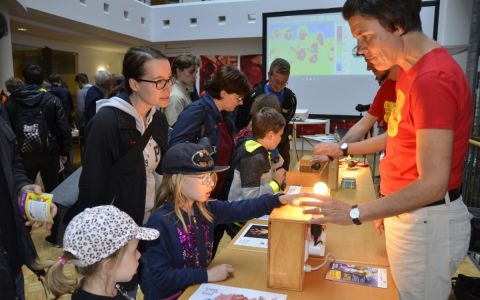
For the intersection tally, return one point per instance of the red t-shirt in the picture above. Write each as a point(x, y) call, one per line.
point(383, 103)
point(433, 94)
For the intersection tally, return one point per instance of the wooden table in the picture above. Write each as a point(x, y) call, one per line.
point(351, 244)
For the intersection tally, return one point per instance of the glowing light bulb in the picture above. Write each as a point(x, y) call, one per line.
point(321, 188)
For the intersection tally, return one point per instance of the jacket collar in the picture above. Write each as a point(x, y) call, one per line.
point(208, 100)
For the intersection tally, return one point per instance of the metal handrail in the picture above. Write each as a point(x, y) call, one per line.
point(475, 141)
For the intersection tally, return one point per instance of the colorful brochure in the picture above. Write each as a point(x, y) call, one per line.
point(210, 291)
point(255, 235)
point(357, 274)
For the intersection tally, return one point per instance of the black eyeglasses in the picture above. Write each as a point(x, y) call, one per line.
point(161, 83)
point(355, 52)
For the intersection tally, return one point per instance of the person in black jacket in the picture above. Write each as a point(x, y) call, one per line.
point(15, 241)
point(100, 90)
point(277, 84)
point(63, 93)
point(58, 137)
point(126, 138)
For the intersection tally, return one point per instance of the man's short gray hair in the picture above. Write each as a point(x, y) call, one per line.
point(103, 78)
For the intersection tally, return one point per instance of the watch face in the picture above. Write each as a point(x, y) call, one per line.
point(343, 146)
point(354, 213)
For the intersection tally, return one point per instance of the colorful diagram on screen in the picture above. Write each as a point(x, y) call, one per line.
point(317, 46)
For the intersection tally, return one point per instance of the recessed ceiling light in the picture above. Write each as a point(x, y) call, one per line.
point(22, 29)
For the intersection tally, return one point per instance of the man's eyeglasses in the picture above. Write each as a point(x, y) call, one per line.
point(207, 179)
point(161, 83)
point(355, 52)
point(239, 98)
point(278, 82)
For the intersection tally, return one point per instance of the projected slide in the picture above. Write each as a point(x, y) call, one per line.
point(324, 74)
point(314, 45)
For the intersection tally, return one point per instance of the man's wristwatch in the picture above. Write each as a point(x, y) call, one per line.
point(355, 214)
point(344, 148)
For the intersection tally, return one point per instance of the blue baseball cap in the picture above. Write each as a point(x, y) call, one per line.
point(190, 158)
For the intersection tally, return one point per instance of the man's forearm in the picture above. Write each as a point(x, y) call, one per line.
point(371, 145)
point(358, 131)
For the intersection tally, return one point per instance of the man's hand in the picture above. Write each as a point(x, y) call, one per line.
point(63, 159)
point(328, 210)
point(319, 158)
point(294, 199)
point(35, 188)
point(327, 149)
point(220, 272)
point(379, 226)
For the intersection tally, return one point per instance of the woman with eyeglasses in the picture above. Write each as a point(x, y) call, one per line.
point(185, 219)
point(212, 117)
point(126, 139)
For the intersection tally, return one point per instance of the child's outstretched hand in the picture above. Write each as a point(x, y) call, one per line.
point(220, 272)
point(292, 199)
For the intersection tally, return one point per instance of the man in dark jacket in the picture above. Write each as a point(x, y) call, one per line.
point(103, 83)
point(277, 84)
point(62, 93)
point(16, 244)
point(57, 136)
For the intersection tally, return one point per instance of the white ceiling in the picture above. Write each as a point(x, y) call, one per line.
point(50, 27)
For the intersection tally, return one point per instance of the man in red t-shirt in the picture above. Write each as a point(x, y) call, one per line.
point(427, 225)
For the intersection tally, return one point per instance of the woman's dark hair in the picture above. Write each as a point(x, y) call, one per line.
point(183, 62)
point(134, 61)
point(389, 13)
point(118, 82)
point(229, 79)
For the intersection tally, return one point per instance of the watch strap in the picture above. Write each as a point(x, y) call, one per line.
point(356, 221)
point(345, 150)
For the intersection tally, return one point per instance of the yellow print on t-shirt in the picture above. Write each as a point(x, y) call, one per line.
point(388, 107)
point(396, 116)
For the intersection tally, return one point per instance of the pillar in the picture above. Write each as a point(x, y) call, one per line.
point(6, 54)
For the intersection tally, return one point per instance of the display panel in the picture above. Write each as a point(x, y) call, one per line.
point(326, 76)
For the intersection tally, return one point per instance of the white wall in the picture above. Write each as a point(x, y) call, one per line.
point(89, 60)
point(92, 13)
point(241, 46)
point(236, 36)
point(454, 25)
point(6, 65)
point(236, 13)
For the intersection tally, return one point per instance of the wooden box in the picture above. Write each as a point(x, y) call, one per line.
point(328, 171)
point(288, 237)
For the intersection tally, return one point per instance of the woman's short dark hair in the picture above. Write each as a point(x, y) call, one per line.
point(389, 13)
point(134, 62)
point(229, 79)
point(33, 74)
point(184, 61)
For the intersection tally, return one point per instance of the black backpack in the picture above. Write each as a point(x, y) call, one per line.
point(31, 127)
